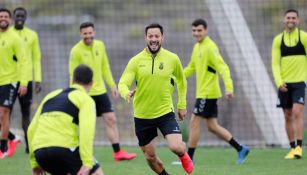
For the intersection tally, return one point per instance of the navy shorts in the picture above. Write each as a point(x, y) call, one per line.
point(26, 100)
point(8, 95)
point(206, 108)
point(295, 94)
point(103, 104)
point(61, 161)
point(146, 129)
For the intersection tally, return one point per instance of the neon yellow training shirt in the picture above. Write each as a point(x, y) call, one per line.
point(64, 122)
point(292, 68)
point(153, 73)
point(206, 61)
point(94, 56)
point(11, 52)
point(32, 52)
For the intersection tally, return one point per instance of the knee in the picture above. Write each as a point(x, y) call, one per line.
point(288, 116)
point(111, 120)
point(212, 128)
point(194, 124)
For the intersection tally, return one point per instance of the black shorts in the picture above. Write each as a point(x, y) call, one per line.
point(295, 94)
point(146, 129)
point(206, 108)
point(26, 100)
point(60, 161)
point(103, 104)
point(8, 95)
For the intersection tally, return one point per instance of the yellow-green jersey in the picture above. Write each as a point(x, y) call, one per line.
point(94, 56)
point(32, 52)
point(153, 75)
point(11, 52)
point(65, 118)
point(289, 61)
point(207, 62)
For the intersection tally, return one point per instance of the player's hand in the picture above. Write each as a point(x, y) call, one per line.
point(38, 171)
point(22, 90)
point(84, 170)
point(181, 114)
point(229, 95)
point(283, 88)
point(130, 95)
point(114, 92)
point(37, 87)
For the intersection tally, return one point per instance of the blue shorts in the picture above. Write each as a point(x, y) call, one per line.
point(103, 104)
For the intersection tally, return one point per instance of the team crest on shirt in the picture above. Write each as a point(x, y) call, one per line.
point(25, 39)
point(3, 43)
point(97, 53)
point(161, 66)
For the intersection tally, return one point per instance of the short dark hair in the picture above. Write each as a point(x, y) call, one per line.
point(154, 25)
point(6, 10)
point(198, 22)
point(83, 74)
point(86, 24)
point(20, 8)
point(290, 11)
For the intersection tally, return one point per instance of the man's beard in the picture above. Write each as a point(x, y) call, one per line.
point(2, 27)
point(153, 51)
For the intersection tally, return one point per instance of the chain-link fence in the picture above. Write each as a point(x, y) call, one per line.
point(243, 30)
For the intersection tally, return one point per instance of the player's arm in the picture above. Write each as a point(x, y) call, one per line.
point(36, 59)
point(23, 65)
point(126, 80)
point(276, 62)
point(106, 70)
point(74, 61)
point(87, 123)
point(30, 133)
point(222, 68)
point(182, 88)
point(190, 69)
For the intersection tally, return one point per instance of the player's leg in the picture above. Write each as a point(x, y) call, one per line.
point(194, 134)
point(104, 108)
point(172, 133)
point(25, 106)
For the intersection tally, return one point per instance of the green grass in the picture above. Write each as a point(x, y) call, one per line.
point(208, 161)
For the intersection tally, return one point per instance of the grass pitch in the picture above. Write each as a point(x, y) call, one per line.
point(208, 161)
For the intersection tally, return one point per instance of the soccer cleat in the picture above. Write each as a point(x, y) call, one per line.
point(123, 155)
point(12, 146)
point(3, 155)
point(290, 154)
point(187, 163)
point(242, 155)
point(298, 152)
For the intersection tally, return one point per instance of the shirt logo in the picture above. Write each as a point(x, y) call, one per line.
point(3, 43)
point(97, 53)
point(161, 66)
point(25, 39)
point(142, 65)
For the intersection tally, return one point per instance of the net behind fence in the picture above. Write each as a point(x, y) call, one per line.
point(243, 41)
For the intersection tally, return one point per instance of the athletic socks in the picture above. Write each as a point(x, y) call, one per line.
point(292, 144)
point(191, 152)
point(11, 136)
point(235, 144)
point(163, 172)
point(3, 146)
point(299, 143)
point(116, 147)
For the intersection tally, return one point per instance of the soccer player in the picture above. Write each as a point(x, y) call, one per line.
point(289, 66)
point(207, 63)
point(61, 134)
point(12, 51)
point(153, 69)
point(93, 53)
point(32, 51)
